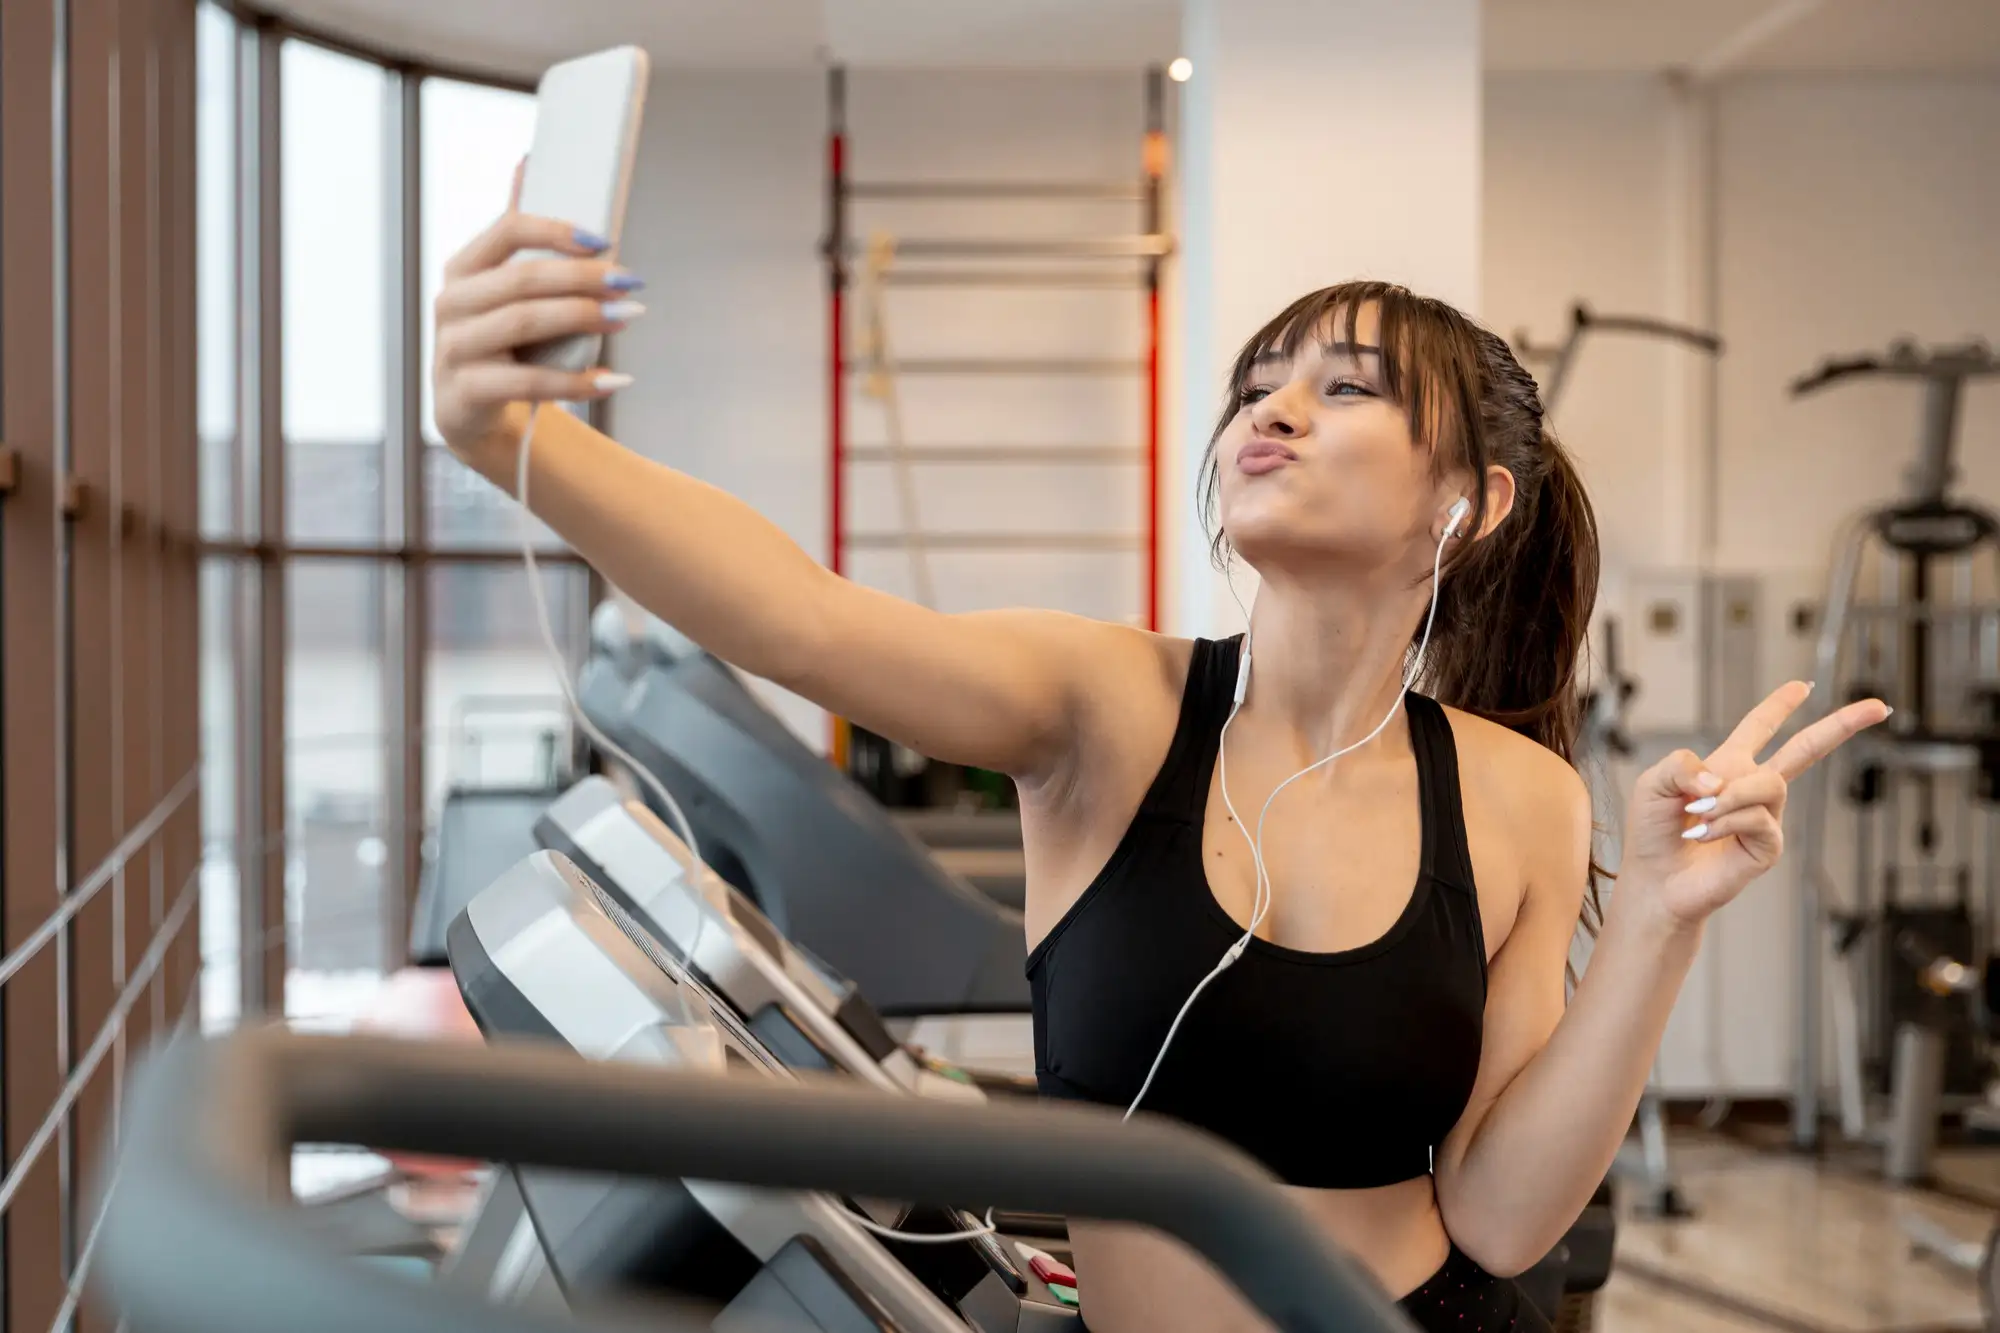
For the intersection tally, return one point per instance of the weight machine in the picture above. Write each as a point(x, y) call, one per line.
point(1910, 1025)
point(1604, 731)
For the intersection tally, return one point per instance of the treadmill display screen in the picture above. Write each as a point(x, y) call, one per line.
point(718, 1010)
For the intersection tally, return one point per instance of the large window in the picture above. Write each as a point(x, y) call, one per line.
point(336, 770)
point(356, 668)
point(221, 936)
point(215, 263)
point(336, 305)
point(474, 137)
point(495, 706)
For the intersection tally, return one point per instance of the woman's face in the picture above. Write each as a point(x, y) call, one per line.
point(1319, 466)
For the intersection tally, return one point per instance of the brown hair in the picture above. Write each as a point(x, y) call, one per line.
point(1513, 614)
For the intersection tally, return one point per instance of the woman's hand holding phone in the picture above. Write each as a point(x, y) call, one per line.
point(492, 304)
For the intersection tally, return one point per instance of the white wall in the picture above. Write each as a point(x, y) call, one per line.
point(1577, 207)
point(723, 224)
point(1278, 201)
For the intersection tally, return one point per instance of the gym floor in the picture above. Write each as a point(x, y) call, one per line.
point(1781, 1241)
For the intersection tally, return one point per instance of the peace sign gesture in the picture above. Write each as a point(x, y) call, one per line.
point(1698, 830)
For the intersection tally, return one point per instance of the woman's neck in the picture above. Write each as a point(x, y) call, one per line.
point(1327, 662)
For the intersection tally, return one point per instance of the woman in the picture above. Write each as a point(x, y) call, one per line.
point(1402, 1057)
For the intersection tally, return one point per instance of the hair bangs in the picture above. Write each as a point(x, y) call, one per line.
point(1415, 341)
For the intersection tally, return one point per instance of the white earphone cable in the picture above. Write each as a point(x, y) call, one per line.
point(986, 1228)
point(1263, 896)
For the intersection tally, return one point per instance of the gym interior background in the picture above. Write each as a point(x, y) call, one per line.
point(258, 628)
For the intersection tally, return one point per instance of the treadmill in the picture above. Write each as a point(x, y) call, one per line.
point(802, 1009)
point(546, 954)
point(815, 1020)
point(193, 1240)
point(481, 831)
point(829, 867)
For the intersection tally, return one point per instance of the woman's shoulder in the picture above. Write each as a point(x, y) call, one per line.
point(1128, 684)
point(1106, 658)
point(1136, 669)
point(1520, 779)
point(1126, 657)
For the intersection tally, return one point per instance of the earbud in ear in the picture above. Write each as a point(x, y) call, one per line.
point(1459, 509)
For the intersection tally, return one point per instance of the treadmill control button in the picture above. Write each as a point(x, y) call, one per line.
point(1048, 1268)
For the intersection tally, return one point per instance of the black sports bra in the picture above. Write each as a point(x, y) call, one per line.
point(1336, 1070)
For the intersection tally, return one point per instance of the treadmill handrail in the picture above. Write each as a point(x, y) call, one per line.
point(214, 1119)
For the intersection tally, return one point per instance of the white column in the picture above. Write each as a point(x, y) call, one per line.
point(1320, 140)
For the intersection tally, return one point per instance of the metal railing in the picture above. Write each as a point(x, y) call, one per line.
point(79, 897)
point(139, 842)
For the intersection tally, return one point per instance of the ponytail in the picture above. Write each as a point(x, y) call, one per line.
point(1514, 620)
point(1514, 612)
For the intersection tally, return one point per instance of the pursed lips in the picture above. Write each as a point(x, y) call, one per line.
point(1261, 456)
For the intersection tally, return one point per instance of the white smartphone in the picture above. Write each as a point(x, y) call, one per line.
point(587, 115)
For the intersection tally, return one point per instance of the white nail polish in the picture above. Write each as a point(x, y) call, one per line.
point(619, 312)
point(611, 380)
point(1697, 833)
point(1701, 807)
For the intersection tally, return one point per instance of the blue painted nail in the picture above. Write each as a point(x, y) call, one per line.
point(623, 280)
point(590, 240)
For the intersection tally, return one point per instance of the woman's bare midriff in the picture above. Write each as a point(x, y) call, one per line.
point(1133, 1280)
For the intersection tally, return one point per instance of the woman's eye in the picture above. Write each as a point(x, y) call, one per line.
point(1252, 394)
point(1349, 388)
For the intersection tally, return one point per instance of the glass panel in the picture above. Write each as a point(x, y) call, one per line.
point(491, 696)
point(215, 268)
point(336, 768)
point(221, 935)
point(465, 511)
point(335, 224)
point(473, 137)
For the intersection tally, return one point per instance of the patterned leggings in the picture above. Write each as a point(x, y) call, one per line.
point(1462, 1297)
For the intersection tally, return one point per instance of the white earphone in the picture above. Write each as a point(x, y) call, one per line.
point(1261, 903)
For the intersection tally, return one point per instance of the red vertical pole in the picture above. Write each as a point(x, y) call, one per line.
point(837, 416)
point(836, 254)
point(836, 267)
